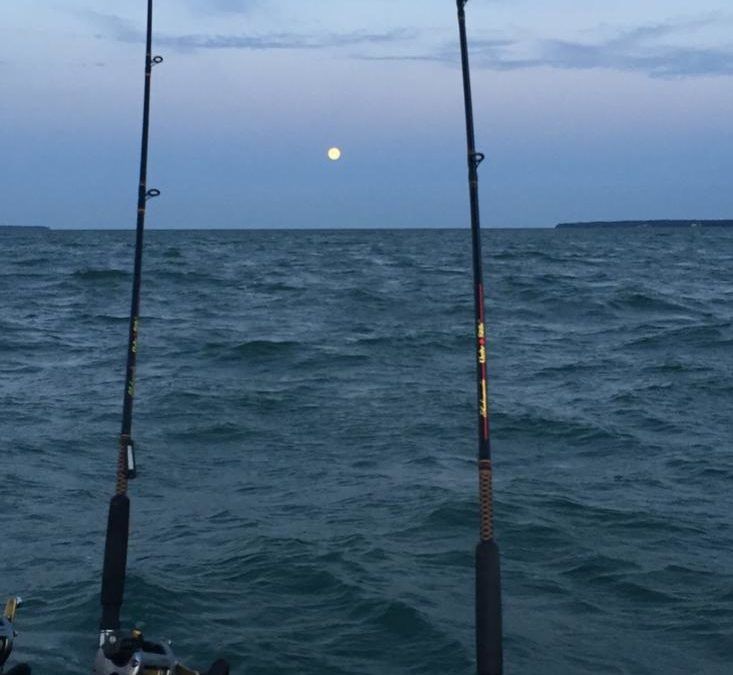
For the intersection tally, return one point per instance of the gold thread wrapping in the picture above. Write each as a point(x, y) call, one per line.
point(486, 500)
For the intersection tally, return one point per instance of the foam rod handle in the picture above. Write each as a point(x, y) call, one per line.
point(20, 669)
point(115, 561)
point(488, 609)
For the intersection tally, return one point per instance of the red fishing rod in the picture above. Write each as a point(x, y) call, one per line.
point(124, 652)
point(488, 577)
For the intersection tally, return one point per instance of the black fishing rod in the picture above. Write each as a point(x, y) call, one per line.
point(7, 637)
point(488, 578)
point(128, 652)
point(115, 552)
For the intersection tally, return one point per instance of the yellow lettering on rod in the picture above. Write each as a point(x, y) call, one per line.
point(484, 407)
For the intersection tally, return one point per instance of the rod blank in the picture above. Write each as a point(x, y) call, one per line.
point(489, 656)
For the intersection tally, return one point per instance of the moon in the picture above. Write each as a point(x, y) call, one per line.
point(334, 154)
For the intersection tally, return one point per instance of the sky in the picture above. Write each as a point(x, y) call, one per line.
point(585, 109)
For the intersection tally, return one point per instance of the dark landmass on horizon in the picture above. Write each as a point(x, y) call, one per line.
point(609, 224)
point(23, 228)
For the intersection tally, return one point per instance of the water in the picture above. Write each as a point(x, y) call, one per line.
point(306, 433)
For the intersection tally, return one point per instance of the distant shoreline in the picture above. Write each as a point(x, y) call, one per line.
point(611, 224)
point(23, 228)
point(598, 225)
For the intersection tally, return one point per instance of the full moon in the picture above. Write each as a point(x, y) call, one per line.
point(334, 154)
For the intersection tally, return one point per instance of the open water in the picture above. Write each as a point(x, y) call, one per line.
point(306, 432)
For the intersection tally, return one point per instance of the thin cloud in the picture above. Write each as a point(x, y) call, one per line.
point(640, 50)
point(637, 50)
point(122, 30)
point(661, 61)
point(283, 40)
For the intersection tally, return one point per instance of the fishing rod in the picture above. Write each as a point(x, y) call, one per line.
point(124, 652)
point(7, 637)
point(488, 577)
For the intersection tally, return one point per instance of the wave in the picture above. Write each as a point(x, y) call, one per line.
point(697, 336)
point(91, 274)
point(307, 495)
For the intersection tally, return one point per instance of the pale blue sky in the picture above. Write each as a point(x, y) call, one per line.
point(586, 109)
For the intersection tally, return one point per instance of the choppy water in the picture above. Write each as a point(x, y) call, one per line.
point(306, 433)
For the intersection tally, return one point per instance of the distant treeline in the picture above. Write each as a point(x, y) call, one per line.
point(646, 223)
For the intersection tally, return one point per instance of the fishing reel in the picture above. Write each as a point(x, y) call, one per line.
point(129, 653)
point(7, 636)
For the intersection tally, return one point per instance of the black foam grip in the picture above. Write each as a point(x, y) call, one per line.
point(115, 561)
point(20, 669)
point(219, 667)
point(488, 609)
